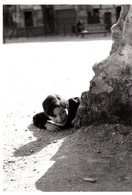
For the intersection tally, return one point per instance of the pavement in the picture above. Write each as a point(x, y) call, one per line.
point(59, 38)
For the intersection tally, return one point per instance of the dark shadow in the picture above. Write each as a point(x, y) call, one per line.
point(90, 152)
point(68, 170)
point(43, 138)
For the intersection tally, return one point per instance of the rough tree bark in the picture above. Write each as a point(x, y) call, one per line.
point(109, 99)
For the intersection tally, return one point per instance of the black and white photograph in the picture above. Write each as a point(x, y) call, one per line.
point(66, 96)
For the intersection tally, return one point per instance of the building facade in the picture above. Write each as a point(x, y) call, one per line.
point(39, 20)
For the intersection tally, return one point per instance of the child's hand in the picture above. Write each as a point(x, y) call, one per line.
point(52, 127)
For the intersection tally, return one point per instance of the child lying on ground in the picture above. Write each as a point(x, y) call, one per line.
point(58, 113)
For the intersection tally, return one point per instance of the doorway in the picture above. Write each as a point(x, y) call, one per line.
point(107, 20)
point(28, 19)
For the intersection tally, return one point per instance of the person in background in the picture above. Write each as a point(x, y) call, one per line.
point(79, 26)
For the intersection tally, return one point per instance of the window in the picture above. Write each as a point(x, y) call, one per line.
point(93, 16)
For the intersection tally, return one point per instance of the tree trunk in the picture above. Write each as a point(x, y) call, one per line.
point(109, 99)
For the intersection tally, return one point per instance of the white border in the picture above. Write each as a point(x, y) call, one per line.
point(35, 2)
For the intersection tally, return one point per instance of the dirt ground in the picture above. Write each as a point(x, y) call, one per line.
point(94, 158)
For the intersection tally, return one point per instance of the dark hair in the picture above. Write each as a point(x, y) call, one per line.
point(51, 102)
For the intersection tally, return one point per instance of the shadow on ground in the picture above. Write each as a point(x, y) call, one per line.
point(43, 138)
point(96, 158)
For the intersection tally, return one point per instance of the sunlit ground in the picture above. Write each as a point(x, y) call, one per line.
point(33, 70)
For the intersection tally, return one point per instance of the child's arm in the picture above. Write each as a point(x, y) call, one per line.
point(41, 121)
point(51, 126)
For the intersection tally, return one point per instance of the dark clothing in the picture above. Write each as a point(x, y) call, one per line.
point(40, 119)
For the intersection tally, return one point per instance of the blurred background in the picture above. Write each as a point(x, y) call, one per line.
point(33, 21)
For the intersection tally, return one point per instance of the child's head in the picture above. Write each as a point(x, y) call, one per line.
point(56, 108)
